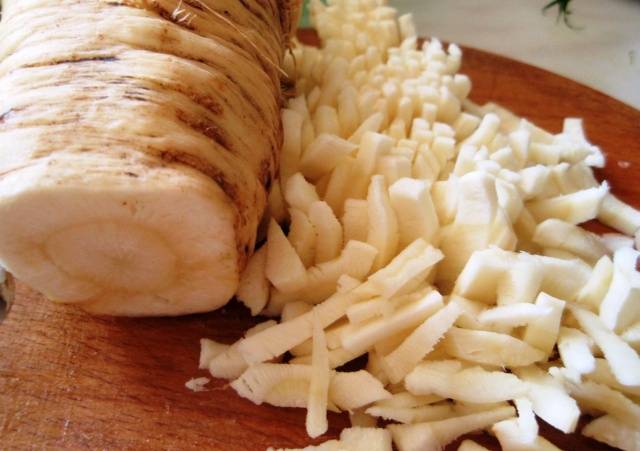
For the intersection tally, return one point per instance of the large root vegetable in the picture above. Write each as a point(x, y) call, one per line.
point(138, 140)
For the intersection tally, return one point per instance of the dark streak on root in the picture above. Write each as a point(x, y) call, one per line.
point(206, 168)
point(206, 128)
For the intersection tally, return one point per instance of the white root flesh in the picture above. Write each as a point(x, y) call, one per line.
point(442, 240)
point(170, 163)
point(438, 434)
point(319, 385)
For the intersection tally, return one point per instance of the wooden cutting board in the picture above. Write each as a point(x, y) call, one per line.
point(69, 380)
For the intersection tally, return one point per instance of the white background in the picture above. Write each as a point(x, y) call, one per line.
point(603, 51)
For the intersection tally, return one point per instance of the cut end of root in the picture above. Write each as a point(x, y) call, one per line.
point(160, 245)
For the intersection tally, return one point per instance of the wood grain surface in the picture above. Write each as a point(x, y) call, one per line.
point(72, 381)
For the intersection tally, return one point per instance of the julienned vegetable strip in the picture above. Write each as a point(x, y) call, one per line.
point(480, 288)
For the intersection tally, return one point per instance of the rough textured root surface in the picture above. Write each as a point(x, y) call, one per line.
point(159, 106)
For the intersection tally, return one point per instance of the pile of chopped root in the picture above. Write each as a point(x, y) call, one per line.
point(441, 240)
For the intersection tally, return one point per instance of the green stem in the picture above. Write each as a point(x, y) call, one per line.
point(563, 10)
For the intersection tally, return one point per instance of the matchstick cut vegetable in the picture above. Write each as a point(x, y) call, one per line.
point(443, 242)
